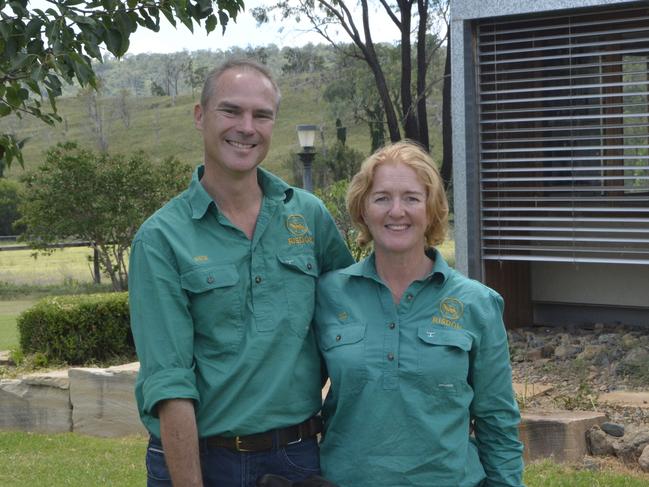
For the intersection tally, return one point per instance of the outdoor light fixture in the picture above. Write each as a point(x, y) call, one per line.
point(306, 136)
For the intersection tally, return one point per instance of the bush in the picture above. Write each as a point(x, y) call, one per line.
point(99, 198)
point(9, 201)
point(78, 329)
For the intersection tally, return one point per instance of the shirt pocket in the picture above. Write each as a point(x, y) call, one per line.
point(444, 359)
point(343, 348)
point(215, 303)
point(299, 275)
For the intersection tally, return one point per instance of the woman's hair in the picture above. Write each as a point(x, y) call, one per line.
point(414, 156)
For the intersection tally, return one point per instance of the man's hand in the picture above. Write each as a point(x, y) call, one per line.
point(180, 442)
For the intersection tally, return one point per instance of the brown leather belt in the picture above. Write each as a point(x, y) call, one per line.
point(264, 441)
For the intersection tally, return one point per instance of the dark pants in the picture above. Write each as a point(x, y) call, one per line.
point(225, 468)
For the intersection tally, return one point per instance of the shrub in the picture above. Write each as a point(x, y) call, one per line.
point(100, 198)
point(9, 200)
point(77, 329)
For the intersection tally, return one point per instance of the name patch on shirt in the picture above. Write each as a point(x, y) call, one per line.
point(297, 226)
point(451, 309)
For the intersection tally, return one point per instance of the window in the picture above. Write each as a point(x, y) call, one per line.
point(564, 137)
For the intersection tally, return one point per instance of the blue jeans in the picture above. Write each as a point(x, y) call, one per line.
point(226, 468)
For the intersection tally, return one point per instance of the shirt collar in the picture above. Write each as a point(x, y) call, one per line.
point(367, 267)
point(199, 199)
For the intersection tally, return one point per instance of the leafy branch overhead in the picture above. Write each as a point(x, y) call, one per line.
point(42, 47)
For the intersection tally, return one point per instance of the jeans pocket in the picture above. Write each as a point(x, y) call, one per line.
point(156, 466)
point(302, 457)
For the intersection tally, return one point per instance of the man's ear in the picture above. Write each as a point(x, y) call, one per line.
point(198, 116)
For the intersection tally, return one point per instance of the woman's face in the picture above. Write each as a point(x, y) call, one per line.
point(395, 210)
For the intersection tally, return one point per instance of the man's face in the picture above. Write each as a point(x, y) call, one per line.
point(237, 123)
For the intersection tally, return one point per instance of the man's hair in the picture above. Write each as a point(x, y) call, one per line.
point(239, 64)
point(414, 156)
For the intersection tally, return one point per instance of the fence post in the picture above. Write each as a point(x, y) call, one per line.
point(95, 262)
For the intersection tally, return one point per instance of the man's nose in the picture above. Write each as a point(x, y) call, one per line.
point(246, 123)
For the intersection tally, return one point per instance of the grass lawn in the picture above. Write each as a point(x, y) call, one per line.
point(9, 311)
point(548, 474)
point(63, 265)
point(34, 460)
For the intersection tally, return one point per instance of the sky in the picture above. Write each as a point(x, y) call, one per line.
point(243, 33)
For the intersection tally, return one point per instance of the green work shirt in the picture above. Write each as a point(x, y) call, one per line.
point(226, 321)
point(408, 380)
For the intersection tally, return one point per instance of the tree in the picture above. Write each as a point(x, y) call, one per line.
point(41, 48)
point(10, 196)
point(327, 14)
point(100, 198)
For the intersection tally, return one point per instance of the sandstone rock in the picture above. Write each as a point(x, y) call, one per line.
point(5, 358)
point(637, 358)
point(643, 461)
point(629, 341)
point(557, 434)
point(566, 351)
point(608, 338)
point(599, 443)
point(590, 352)
point(631, 446)
point(613, 429)
point(547, 351)
point(38, 403)
point(103, 401)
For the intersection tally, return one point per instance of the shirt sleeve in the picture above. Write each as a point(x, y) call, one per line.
point(332, 252)
point(162, 328)
point(494, 409)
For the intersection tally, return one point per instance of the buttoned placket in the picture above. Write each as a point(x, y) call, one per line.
point(263, 307)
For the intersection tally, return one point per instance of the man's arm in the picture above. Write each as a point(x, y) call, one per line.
point(180, 442)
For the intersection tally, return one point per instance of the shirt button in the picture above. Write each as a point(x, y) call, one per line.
point(258, 279)
point(338, 338)
point(309, 266)
point(390, 356)
point(409, 297)
point(210, 280)
point(391, 326)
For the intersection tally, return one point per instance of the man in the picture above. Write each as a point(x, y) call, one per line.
point(222, 282)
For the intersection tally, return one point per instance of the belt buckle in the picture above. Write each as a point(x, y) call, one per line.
point(237, 445)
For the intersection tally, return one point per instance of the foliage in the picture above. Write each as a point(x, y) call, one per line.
point(329, 165)
point(41, 48)
point(9, 200)
point(77, 329)
point(101, 199)
point(334, 199)
point(414, 19)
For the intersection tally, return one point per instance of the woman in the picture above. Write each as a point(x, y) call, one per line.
point(417, 353)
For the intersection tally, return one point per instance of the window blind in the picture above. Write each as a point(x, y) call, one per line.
point(564, 137)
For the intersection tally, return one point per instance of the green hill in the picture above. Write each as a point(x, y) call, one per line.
point(163, 128)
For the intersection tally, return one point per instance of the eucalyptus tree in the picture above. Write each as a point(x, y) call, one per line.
point(40, 48)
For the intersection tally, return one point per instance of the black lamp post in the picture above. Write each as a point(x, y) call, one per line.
point(306, 135)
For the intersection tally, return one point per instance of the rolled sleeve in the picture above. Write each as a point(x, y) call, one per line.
point(167, 384)
point(162, 329)
point(494, 407)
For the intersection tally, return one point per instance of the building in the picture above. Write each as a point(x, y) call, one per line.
point(550, 105)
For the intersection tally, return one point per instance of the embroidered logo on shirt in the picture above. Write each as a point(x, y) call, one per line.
point(342, 316)
point(296, 224)
point(201, 258)
point(452, 309)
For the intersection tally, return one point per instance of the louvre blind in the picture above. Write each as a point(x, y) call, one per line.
point(564, 137)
